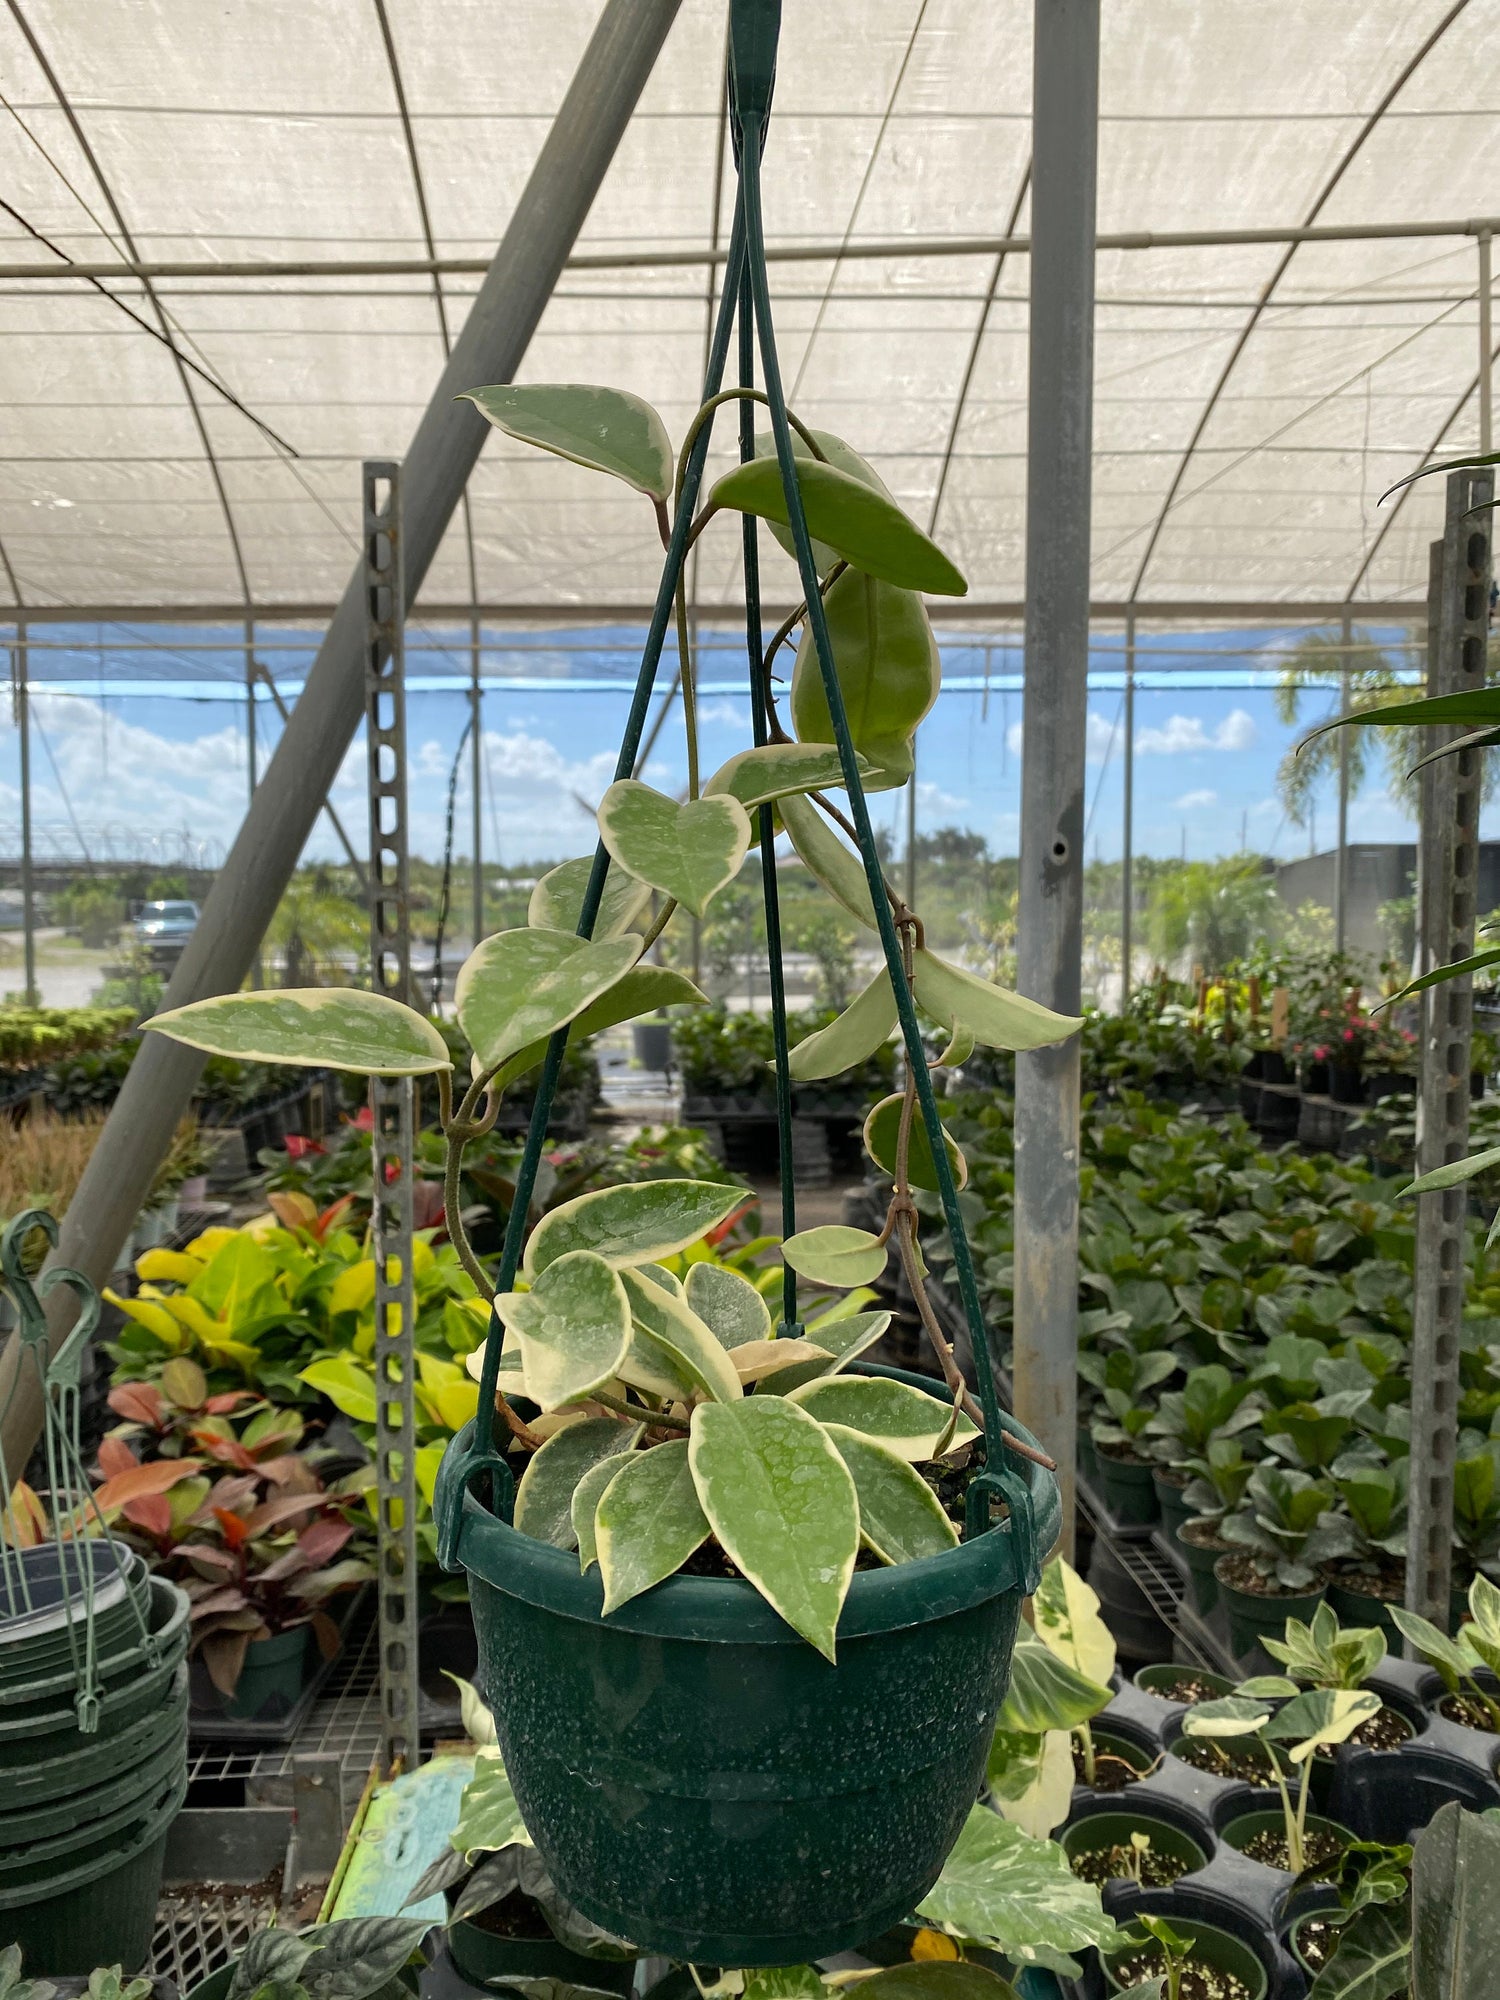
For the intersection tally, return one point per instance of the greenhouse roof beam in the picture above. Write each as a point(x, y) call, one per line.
point(859, 250)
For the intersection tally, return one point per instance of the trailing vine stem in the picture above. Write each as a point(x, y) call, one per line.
point(779, 638)
point(458, 1129)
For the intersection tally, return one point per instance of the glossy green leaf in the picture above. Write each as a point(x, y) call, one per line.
point(324, 1027)
point(1454, 1174)
point(1455, 1877)
point(639, 1224)
point(882, 1133)
point(518, 987)
point(905, 1420)
point(776, 770)
point(573, 1326)
point(1046, 1693)
point(1029, 1778)
point(557, 900)
point(938, 1979)
point(1065, 1617)
point(834, 1254)
point(994, 1017)
point(692, 1346)
point(1476, 708)
point(544, 1497)
point(488, 1816)
point(900, 1517)
point(606, 430)
point(347, 1383)
point(1014, 1892)
point(864, 1026)
point(827, 859)
point(783, 1505)
point(767, 1982)
point(357, 1957)
point(272, 1959)
point(1371, 1959)
point(843, 458)
point(886, 659)
point(868, 529)
point(641, 991)
point(728, 1304)
point(688, 851)
point(648, 1523)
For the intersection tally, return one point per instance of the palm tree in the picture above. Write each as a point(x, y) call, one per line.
point(316, 931)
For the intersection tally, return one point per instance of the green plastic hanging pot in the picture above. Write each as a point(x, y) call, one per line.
point(90, 1760)
point(53, 1730)
point(699, 1779)
point(98, 1907)
point(27, 1657)
point(39, 1828)
point(114, 1670)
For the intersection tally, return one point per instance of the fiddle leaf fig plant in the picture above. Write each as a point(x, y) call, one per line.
point(655, 1424)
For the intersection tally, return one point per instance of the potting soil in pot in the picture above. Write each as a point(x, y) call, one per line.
point(1185, 1685)
point(1113, 1768)
point(1269, 1846)
point(1225, 1759)
point(1199, 1982)
point(1472, 1714)
point(1151, 1867)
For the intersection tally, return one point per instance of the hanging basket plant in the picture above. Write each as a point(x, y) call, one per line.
point(745, 1607)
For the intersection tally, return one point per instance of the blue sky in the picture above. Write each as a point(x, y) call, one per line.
point(143, 772)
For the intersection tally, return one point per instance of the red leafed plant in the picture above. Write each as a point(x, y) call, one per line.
point(178, 1416)
point(259, 1549)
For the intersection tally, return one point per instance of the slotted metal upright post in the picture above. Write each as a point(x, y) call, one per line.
point(1458, 611)
point(391, 1104)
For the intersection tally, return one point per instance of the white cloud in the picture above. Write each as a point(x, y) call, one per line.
point(1105, 738)
point(1184, 734)
point(1190, 801)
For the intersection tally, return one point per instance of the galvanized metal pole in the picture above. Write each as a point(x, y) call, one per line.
point(1127, 856)
point(1458, 637)
point(476, 776)
point(543, 227)
point(20, 694)
point(1064, 120)
point(392, 1110)
point(1341, 853)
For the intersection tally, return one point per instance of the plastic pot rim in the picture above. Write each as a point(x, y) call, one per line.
point(156, 1819)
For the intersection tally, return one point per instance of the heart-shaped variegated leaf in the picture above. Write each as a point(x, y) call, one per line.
point(834, 1254)
point(639, 1224)
point(641, 991)
point(648, 1523)
point(837, 1342)
point(691, 1348)
point(900, 1517)
point(886, 659)
point(906, 1421)
point(519, 986)
point(762, 1360)
point(882, 1136)
point(864, 1026)
point(991, 1015)
point(544, 1498)
point(867, 528)
point(827, 859)
point(604, 429)
point(777, 770)
point(557, 900)
point(687, 851)
point(327, 1027)
point(782, 1503)
point(585, 1503)
point(729, 1305)
point(573, 1326)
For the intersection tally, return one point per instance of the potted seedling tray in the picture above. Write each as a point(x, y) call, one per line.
point(1389, 1795)
point(269, 1731)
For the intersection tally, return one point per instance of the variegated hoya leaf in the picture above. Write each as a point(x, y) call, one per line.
point(688, 851)
point(573, 1326)
point(648, 1523)
point(637, 1224)
point(326, 1027)
point(518, 987)
point(905, 1420)
point(544, 1497)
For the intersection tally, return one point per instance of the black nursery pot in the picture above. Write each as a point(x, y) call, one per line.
point(1274, 1067)
point(1315, 1079)
point(487, 1959)
point(1170, 1488)
point(1255, 1615)
point(1211, 1947)
point(1200, 1558)
point(1346, 1084)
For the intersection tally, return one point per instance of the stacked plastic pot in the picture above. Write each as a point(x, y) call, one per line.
point(93, 1753)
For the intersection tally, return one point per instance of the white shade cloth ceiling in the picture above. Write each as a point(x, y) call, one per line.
point(1240, 449)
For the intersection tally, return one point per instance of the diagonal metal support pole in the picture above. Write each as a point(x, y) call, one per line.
point(392, 1109)
point(620, 56)
point(1457, 641)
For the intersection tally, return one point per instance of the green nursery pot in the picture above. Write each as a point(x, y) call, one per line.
point(1200, 1561)
point(699, 1779)
point(1171, 1502)
point(1253, 1617)
point(270, 1681)
point(1211, 1947)
point(1128, 1490)
point(486, 1959)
